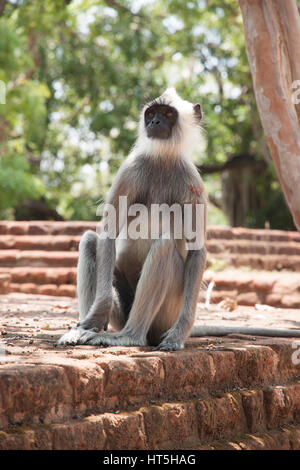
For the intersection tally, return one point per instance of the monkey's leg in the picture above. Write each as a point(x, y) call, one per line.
point(194, 265)
point(99, 311)
point(123, 296)
point(170, 308)
point(153, 287)
point(86, 272)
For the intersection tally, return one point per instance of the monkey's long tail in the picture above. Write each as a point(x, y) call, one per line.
point(199, 330)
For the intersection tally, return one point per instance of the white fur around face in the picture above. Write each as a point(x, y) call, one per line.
point(185, 135)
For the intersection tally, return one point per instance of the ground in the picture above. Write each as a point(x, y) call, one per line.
point(40, 319)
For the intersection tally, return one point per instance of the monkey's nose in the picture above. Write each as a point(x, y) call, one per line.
point(155, 121)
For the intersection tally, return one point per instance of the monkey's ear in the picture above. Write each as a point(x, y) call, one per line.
point(197, 111)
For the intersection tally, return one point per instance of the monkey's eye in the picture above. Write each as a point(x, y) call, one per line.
point(169, 114)
point(150, 115)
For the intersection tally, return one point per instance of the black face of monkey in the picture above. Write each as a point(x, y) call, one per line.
point(160, 120)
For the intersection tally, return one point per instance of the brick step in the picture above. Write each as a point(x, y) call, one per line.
point(45, 228)
point(60, 384)
point(41, 258)
point(78, 227)
point(285, 438)
point(42, 242)
point(240, 233)
point(39, 280)
point(228, 390)
point(281, 282)
point(254, 261)
point(245, 298)
point(229, 279)
point(221, 246)
point(38, 258)
point(63, 290)
point(180, 425)
point(278, 289)
point(252, 298)
point(214, 246)
point(41, 275)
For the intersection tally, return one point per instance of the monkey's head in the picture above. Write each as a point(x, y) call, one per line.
point(160, 120)
point(168, 126)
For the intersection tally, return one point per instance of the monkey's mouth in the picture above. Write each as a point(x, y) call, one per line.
point(154, 133)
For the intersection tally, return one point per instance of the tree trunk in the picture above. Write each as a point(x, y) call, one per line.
point(239, 194)
point(2, 6)
point(272, 33)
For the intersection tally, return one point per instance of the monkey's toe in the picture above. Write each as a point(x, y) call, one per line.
point(169, 346)
point(111, 339)
point(87, 336)
point(98, 339)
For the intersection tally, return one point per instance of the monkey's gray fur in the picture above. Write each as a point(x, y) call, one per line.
point(148, 289)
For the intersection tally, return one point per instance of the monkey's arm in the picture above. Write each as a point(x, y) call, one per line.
point(193, 271)
point(114, 218)
point(98, 315)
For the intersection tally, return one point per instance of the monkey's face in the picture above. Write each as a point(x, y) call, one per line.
point(160, 120)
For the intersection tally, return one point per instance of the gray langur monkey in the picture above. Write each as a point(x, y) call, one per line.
point(146, 288)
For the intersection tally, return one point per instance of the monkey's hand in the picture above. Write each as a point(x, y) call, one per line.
point(171, 341)
point(97, 318)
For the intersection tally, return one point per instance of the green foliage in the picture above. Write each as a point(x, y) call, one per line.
point(77, 73)
point(16, 182)
point(274, 211)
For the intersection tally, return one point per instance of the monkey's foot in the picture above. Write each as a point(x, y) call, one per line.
point(170, 342)
point(110, 339)
point(169, 346)
point(72, 336)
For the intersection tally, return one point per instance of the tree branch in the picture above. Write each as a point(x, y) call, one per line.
point(234, 163)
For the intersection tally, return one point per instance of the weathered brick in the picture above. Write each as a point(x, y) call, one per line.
point(8, 257)
point(47, 289)
point(5, 283)
point(262, 284)
point(137, 375)
point(67, 290)
point(253, 405)
point(171, 426)
point(247, 298)
point(273, 300)
point(282, 405)
point(290, 301)
point(87, 434)
point(255, 365)
point(28, 288)
point(124, 431)
point(221, 417)
point(287, 438)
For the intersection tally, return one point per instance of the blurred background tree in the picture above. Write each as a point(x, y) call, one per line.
point(77, 73)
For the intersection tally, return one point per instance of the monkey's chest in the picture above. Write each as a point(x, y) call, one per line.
point(162, 192)
point(156, 181)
